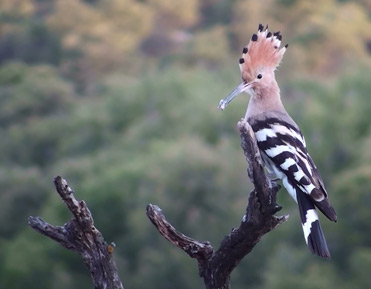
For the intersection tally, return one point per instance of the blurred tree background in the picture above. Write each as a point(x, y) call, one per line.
point(120, 97)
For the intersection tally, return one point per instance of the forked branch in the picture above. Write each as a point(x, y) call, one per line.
point(80, 235)
point(215, 266)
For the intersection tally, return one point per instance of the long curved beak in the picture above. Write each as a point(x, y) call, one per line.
point(241, 88)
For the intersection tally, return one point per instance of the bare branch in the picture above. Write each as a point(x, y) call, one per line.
point(195, 249)
point(216, 267)
point(80, 235)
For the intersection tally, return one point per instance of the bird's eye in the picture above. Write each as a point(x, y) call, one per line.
point(259, 76)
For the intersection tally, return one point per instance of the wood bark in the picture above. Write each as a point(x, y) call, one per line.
point(216, 266)
point(80, 235)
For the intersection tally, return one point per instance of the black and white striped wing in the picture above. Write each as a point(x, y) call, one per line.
point(283, 147)
point(284, 152)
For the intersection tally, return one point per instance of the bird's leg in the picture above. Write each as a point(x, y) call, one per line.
point(275, 187)
point(272, 177)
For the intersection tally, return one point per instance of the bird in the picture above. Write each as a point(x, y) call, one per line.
point(281, 143)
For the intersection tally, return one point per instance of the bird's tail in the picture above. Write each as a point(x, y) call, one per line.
point(312, 229)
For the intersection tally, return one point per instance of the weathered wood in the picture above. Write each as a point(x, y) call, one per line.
point(80, 235)
point(195, 249)
point(215, 267)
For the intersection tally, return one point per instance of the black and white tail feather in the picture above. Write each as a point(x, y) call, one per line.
point(313, 234)
point(284, 153)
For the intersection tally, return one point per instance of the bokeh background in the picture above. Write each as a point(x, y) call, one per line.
point(120, 97)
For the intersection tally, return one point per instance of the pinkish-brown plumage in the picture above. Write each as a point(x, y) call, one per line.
point(262, 51)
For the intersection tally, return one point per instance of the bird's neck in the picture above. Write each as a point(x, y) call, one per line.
point(264, 99)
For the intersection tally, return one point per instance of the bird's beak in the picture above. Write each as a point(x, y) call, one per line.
point(241, 88)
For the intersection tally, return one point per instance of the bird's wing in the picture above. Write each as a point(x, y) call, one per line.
point(283, 143)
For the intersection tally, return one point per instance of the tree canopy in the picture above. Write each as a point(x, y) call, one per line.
point(120, 98)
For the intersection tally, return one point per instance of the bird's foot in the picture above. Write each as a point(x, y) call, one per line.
point(277, 208)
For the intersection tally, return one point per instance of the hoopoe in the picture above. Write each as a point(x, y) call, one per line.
point(280, 141)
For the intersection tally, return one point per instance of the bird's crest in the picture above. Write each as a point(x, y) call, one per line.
point(262, 51)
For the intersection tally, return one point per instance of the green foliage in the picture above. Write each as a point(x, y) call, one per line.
point(290, 268)
point(22, 193)
point(82, 96)
point(360, 260)
point(161, 140)
point(27, 93)
point(35, 44)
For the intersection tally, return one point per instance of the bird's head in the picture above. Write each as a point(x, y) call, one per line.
point(259, 60)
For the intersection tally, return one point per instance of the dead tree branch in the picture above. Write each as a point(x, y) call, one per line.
point(215, 267)
point(80, 235)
